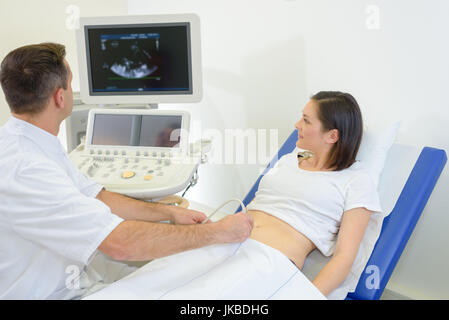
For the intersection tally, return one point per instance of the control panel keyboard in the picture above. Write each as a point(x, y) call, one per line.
point(141, 173)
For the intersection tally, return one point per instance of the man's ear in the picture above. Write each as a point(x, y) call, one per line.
point(58, 97)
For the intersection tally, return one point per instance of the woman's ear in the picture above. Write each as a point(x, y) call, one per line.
point(333, 136)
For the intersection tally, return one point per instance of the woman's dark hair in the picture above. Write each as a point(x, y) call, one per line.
point(30, 74)
point(338, 110)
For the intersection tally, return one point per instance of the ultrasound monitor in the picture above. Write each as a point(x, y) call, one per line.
point(140, 59)
point(129, 129)
point(159, 131)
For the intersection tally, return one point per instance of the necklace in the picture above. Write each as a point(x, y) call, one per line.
point(304, 155)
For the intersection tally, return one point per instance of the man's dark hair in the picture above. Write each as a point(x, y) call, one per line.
point(338, 110)
point(30, 74)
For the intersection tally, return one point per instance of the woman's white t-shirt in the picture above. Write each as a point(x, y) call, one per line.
point(313, 202)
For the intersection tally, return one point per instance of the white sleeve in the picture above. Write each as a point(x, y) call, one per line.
point(54, 213)
point(361, 192)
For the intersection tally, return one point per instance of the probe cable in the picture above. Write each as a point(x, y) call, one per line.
point(225, 203)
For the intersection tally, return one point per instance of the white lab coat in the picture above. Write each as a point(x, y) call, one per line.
point(50, 222)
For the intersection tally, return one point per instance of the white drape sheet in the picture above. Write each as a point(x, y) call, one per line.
point(248, 270)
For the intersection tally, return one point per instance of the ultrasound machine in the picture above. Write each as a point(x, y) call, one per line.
point(116, 134)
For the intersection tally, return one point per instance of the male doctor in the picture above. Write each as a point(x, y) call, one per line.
point(58, 228)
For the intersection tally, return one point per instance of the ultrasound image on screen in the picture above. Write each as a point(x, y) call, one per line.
point(139, 59)
point(132, 56)
point(137, 130)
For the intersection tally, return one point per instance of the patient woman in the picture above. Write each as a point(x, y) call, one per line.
point(323, 201)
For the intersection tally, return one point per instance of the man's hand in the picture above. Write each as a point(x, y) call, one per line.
point(187, 216)
point(235, 228)
point(137, 210)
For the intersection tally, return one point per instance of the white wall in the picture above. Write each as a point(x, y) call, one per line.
point(262, 59)
point(25, 22)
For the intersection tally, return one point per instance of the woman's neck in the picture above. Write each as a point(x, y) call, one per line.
point(317, 162)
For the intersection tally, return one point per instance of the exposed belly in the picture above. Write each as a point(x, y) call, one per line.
point(281, 236)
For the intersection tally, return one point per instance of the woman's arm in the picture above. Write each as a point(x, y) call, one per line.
point(352, 230)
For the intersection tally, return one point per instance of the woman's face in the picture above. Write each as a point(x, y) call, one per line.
point(310, 136)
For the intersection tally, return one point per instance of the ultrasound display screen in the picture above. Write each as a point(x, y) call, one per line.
point(139, 59)
point(162, 131)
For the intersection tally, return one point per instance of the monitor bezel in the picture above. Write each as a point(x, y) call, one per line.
point(145, 97)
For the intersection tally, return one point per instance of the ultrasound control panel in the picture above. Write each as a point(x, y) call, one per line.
point(139, 153)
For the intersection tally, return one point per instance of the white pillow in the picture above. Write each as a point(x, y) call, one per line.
point(374, 148)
